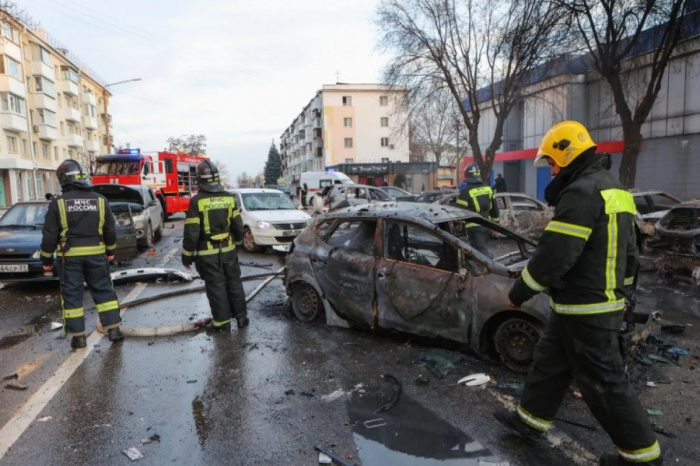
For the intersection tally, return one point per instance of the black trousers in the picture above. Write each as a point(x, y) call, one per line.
point(93, 270)
point(478, 237)
point(303, 199)
point(222, 280)
point(586, 348)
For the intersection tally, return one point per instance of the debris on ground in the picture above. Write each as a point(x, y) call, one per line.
point(661, 430)
point(510, 388)
point(422, 379)
point(652, 384)
point(151, 439)
point(678, 351)
point(16, 386)
point(44, 419)
point(676, 329)
point(133, 454)
point(333, 456)
point(474, 380)
point(14, 376)
point(577, 394)
point(151, 252)
point(654, 412)
point(56, 325)
point(397, 397)
point(324, 459)
point(253, 264)
point(374, 423)
point(191, 381)
point(289, 392)
point(655, 357)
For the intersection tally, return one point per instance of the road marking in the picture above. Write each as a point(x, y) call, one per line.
point(168, 256)
point(568, 446)
point(11, 431)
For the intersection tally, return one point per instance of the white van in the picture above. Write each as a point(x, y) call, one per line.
point(316, 181)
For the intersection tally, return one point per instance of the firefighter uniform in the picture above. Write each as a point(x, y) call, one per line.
point(80, 230)
point(587, 259)
point(478, 197)
point(213, 228)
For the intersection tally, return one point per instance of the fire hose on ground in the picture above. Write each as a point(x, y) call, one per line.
point(189, 326)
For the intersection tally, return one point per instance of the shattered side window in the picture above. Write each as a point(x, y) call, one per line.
point(501, 203)
point(323, 228)
point(354, 235)
point(411, 244)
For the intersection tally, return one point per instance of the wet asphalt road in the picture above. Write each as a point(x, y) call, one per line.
point(268, 394)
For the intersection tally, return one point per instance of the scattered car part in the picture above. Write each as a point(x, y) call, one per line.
point(124, 277)
point(324, 459)
point(133, 454)
point(396, 398)
point(16, 386)
point(374, 423)
point(56, 325)
point(333, 456)
point(474, 380)
point(14, 376)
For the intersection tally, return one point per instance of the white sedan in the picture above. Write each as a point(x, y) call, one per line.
point(270, 219)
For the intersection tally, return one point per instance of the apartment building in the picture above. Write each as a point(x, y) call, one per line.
point(53, 108)
point(568, 89)
point(356, 124)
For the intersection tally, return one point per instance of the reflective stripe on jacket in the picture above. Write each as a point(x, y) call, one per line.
point(213, 224)
point(478, 198)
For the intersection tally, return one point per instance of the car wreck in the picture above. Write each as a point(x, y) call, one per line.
point(339, 196)
point(677, 240)
point(409, 268)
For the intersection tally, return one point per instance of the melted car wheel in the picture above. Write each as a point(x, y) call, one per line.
point(306, 303)
point(515, 342)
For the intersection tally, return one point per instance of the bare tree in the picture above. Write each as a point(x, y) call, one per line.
point(244, 181)
point(224, 173)
point(432, 126)
point(482, 53)
point(623, 36)
point(189, 144)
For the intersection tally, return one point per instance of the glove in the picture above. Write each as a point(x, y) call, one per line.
point(187, 261)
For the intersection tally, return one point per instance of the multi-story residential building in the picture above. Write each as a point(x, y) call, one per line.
point(567, 88)
point(53, 108)
point(347, 124)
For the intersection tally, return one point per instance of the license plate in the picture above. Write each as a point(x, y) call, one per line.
point(14, 268)
point(291, 233)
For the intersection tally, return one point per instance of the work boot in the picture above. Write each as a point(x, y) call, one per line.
point(613, 459)
point(511, 420)
point(78, 341)
point(115, 334)
point(242, 322)
point(224, 328)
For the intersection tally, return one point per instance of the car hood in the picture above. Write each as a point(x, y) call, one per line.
point(277, 216)
point(118, 193)
point(654, 215)
point(22, 240)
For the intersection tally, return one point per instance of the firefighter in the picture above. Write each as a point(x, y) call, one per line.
point(80, 230)
point(477, 197)
point(304, 193)
point(213, 229)
point(587, 259)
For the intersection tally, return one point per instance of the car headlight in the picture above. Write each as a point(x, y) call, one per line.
point(138, 218)
point(36, 255)
point(261, 224)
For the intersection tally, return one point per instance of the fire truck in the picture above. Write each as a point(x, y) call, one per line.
point(172, 176)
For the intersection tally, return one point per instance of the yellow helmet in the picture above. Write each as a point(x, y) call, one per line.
point(563, 143)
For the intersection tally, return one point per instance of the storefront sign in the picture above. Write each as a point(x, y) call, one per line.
point(367, 169)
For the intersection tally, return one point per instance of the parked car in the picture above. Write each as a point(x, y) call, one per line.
point(429, 197)
point(147, 211)
point(651, 206)
point(408, 267)
point(20, 241)
point(339, 196)
point(399, 194)
point(316, 181)
point(678, 239)
point(519, 212)
point(285, 190)
point(270, 219)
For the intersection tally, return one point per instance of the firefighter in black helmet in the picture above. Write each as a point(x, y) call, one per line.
point(213, 229)
point(477, 197)
point(80, 231)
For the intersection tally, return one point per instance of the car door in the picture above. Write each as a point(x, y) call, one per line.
point(344, 268)
point(527, 216)
point(418, 284)
point(156, 211)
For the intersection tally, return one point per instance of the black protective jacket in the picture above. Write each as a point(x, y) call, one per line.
point(213, 225)
point(78, 223)
point(478, 198)
point(587, 256)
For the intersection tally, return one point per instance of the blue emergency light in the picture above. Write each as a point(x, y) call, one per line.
point(128, 151)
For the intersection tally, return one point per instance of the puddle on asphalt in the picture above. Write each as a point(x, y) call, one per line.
point(410, 435)
point(20, 334)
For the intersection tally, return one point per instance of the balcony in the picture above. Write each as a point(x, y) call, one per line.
point(318, 133)
point(44, 101)
point(89, 98)
point(46, 132)
point(12, 50)
point(90, 122)
point(74, 140)
point(92, 146)
point(39, 68)
point(68, 87)
point(71, 114)
point(10, 84)
point(13, 122)
point(319, 152)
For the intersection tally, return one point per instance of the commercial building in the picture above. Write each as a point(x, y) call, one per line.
point(354, 125)
point(567, 88)
point(53, 108)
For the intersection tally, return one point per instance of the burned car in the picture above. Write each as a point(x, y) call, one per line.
point(408, 267)
point(678, 239)
point(651, 206)
point(519, 212)
point(339, 196)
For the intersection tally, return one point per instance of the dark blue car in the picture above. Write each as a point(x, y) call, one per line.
point(20, 240)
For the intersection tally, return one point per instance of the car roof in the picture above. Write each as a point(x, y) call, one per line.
point(256, 190)
point(434, 213)
point(345, 185)
point(638, 193)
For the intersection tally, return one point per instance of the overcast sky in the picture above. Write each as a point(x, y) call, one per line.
point(237, 71)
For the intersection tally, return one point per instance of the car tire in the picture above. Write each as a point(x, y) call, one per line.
point(249, 242)
point(647, 247)
point(515, 341)
point(159, 231)
point(147, 239)
point(306, 303)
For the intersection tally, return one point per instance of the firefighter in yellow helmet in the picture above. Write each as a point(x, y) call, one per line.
point(587, 259)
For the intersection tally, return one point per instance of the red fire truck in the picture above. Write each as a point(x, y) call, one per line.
point(172, 176)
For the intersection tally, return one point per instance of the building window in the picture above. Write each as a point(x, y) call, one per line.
point(385, 122)
point(347, 100)
point(20, 191)
point(45, 86)
point(347, 122)
point(45, 56)
point(63, 129)
point(39, 185)
point(46, 117)
point(45, 150)
point(55, 153)
point(11, 145)
point(69, 74)
point(65, 154)
point(385, 142)
point(12, 103)
point(13, 69)
point(383, 100)
point(385, 159)
point(348, 142)
point(30, 186)
point(348, 160)
point(25, 147)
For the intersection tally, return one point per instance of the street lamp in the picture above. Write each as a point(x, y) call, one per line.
point(104, 102)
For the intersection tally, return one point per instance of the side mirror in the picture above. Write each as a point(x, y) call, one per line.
point(152, 203)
